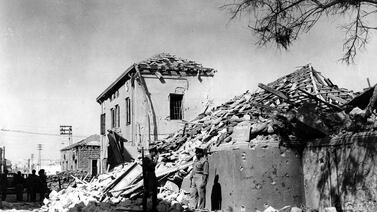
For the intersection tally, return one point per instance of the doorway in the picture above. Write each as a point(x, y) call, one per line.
point(94, 168)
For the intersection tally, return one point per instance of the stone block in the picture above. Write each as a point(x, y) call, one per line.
point(241, 133)
point(295, 209)
point(330, 209)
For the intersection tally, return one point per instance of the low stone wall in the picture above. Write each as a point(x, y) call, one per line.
point(342, 172)
point(244, 178)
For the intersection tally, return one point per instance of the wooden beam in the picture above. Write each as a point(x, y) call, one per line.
point(273, 91)
point(318, 99)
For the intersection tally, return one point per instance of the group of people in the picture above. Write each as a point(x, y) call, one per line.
point(198, 179)
point(33, 183)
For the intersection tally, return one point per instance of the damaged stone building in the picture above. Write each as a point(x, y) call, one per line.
point(82, 156)
point(299, 141)
point(148, 101)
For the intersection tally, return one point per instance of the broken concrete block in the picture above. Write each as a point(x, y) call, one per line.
point(357, 111)
point(172, 186)
point(330, 209)
point(241, 133)
point(270, 209)
point(258, 128)
point(186, 183)
point(234, 118)
point(295, 209)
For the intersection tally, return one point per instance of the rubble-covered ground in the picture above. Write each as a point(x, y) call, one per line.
point(64, 179)
point(20, 206)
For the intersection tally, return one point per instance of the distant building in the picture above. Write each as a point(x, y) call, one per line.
point(150, 100)
point(83, 155)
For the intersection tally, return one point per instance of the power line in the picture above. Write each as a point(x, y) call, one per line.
point(37, 133)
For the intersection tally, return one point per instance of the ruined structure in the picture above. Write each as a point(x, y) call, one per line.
point(150, 100)
point(300, 141)
point(82, 156)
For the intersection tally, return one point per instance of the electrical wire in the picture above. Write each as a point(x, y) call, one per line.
point(36, 133)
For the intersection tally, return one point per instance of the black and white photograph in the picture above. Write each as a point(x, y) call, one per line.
point(188, 106)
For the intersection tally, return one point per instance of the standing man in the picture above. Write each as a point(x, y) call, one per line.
point(34, 183)
point(199, 176)
point(150, 179)
point(19, 181)
point(43, 186)
point(4, 185)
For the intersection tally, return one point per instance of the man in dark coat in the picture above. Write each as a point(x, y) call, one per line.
point(150, 179)
point(4, 184)
point(43, 187)
point(34, 183)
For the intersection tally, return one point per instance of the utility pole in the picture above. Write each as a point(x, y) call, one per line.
point(31, 162)
point(39, 155)
point(66, 130)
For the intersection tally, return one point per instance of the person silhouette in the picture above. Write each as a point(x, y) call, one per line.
point(216, 194)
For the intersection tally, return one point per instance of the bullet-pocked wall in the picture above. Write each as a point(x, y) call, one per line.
point(341, 172)
point(244, 178)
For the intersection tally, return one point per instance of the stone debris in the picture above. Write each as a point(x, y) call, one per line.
point(62, 180)
point(330, 209)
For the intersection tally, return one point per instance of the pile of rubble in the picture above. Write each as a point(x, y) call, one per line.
point(81, 192)
point(302, 104)
point(64, 179)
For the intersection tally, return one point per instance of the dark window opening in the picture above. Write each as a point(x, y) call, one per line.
point(128, 111)
point(176, 106)
point(103, 126)
point(112, 118)
point(117, 116)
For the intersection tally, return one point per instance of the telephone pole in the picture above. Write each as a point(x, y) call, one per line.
point(39, 155)
point(66, 130)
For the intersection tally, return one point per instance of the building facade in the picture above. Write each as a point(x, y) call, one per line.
point(152, 99)
point(82, 156)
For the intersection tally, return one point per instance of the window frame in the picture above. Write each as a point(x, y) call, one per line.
point(117, 116)
point(112, 117)
point(128, 110)
point(103, 124)
point(176, 101)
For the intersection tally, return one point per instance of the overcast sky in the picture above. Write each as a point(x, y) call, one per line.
point(57, 56)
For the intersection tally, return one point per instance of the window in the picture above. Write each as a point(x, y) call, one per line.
point(176, 106)
point(117, 116)
point(112, 118)
point(103, 126)
point(128, 111)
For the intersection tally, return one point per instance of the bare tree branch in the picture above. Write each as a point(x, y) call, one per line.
point(283, 21)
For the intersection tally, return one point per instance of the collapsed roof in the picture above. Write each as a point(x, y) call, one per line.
point(303, 85)
point(158, 65)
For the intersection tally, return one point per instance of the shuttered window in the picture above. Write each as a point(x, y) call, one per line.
point(117, 116)
point(103, 124)
point(128, 111)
